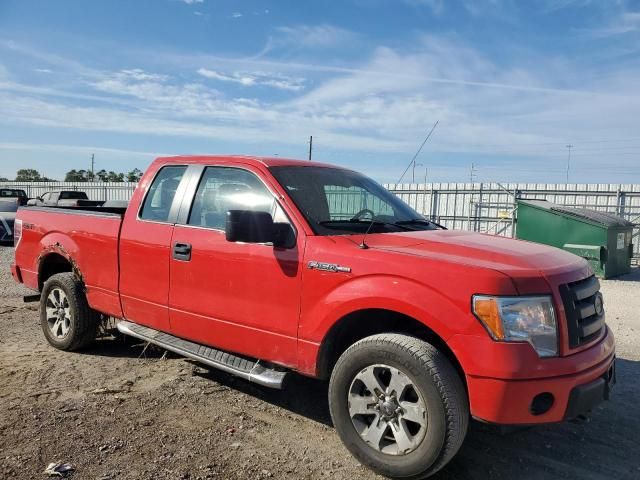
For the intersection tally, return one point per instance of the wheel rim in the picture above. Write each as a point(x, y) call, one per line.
point(58, 313)
point(387, 410)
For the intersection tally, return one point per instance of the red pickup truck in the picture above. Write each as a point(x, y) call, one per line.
point(261, 267)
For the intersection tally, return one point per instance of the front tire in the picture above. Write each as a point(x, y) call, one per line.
point(67, 320)
point(398, 405)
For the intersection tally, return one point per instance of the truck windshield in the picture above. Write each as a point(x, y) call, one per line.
point(336, 201)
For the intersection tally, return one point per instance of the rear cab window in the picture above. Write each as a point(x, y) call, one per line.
point(73, 196)
point(157, 204)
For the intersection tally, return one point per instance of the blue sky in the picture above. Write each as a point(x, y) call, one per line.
point(511, 84)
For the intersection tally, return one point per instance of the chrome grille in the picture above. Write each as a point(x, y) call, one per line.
point(584, 311)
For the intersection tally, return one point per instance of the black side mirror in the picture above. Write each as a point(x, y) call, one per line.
point(258, 227)
point(248, 226)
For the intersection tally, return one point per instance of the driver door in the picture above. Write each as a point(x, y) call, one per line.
point(239, 297)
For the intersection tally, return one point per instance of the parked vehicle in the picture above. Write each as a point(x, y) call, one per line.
point(8, 209)
point(261, 267)
point(64, 198)
point(11, 193)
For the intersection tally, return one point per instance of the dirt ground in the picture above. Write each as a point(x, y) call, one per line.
point(116, 412)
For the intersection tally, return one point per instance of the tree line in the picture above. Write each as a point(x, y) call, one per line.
point(32, 175)
point(102, 176)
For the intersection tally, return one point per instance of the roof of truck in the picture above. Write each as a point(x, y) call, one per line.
point(266, 161)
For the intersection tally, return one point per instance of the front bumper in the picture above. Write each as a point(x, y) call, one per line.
point(571, 385)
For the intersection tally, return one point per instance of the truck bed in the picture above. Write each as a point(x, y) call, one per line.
point(87, 237)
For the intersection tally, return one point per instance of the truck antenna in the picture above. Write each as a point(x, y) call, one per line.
point(363, 245)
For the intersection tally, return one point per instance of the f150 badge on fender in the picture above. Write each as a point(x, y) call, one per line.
point(328, 267)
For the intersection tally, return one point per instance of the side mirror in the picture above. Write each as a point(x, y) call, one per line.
point(248, 226)
point(258, 227)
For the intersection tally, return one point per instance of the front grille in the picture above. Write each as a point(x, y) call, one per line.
point(582, 306)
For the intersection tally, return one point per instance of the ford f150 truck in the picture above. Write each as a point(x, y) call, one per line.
point(262, 267)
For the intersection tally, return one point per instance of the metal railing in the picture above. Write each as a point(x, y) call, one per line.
point(491, 207)
point(94, 190)
point(479, 207)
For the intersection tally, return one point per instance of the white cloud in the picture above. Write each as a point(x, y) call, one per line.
point(42, 70)
point(255, 78)
point(236, 15)
point(47, 147)
point(192, 2)
point(436, 6)
point(626, 22)
point(551, 6)
point(385, 104)
point(315, 36)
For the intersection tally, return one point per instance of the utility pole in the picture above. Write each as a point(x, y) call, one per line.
point(92, 165)
point(413, 172)
point(569, 147)
point(472, 172)
point(310, 146)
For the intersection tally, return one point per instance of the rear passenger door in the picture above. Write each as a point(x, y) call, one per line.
point(236, 296)
point(145, 253)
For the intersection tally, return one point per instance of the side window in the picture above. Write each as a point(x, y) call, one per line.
point(157, 204)
point(45, 197)
point(224, 188)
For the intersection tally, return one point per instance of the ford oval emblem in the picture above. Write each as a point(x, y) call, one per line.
point(598, 304)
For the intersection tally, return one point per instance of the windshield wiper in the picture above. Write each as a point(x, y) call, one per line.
point(420, 221)
point(332, 223)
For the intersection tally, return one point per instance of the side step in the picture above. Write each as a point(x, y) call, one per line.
point(242, 367)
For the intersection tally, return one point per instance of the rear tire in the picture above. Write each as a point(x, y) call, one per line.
point(416, 418)
point(67, 320)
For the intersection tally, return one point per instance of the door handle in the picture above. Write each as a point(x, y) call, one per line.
point(182, 251)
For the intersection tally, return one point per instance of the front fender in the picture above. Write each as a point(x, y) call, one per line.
point(444, 315)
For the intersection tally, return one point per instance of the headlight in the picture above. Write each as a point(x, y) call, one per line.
point(520, 319)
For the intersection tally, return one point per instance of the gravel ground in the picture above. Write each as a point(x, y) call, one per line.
point(117, 411)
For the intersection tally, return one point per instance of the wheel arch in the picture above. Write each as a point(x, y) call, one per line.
point(53, 262)
point(371, 321)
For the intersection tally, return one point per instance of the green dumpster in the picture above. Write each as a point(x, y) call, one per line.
point(604, 240)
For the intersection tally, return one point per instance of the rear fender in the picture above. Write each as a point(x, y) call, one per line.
point(61, 244)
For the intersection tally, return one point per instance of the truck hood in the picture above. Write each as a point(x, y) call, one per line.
point(523, 261)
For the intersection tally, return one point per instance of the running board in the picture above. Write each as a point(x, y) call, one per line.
point(250, 370)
